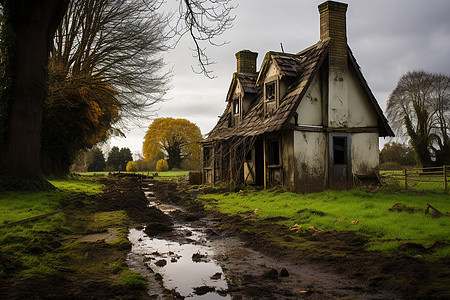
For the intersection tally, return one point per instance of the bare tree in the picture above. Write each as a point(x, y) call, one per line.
point(203, 21)
point(118, 41)
point(31, 25)
point(419, 107)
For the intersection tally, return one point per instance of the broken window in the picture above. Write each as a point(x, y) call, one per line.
point(249, 156)
point(274, 152)
point(270, 90)
point(236, 106)
point(339, 150)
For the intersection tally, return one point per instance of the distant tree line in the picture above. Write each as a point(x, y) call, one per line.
point(95, 161)
point(397, 155)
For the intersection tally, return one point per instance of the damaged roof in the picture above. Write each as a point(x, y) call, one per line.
point(300, 67)
point(246, 80)
point(288, 64)
point(253, 122)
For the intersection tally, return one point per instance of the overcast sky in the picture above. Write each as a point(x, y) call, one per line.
point(388, 39)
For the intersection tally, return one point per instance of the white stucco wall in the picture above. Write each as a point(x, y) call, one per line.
point(361, 113)
point(365, 153)
point(310, 109)
point(310, 149)
point(338, 99)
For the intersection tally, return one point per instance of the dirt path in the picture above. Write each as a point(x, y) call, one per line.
point(336, 267)
point(251, 273)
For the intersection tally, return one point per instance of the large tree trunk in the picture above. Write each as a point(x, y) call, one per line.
point(33, 23)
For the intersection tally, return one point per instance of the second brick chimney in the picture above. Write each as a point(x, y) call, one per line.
point(246, 61)
point(333, 27)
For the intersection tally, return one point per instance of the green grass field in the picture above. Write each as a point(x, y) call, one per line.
point(17, 206)
point(44, 247)
point(355, 210)
point(416, 180)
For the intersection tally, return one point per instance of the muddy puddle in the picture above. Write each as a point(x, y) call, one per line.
point(191, 262)
point(185, 266)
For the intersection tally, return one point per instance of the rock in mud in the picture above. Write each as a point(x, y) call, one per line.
point(271, 273)
point(197, 257)
point(216, 276)
point(284, 273)
point(202, 290)
point(161, 263)
point(156, 228)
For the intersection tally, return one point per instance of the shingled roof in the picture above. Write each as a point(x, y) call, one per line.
point(302, 66)
point(247, 81)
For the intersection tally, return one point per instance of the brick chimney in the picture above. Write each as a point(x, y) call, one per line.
point(246, 61)
point(333, 26)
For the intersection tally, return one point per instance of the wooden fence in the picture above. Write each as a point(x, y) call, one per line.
point(420, 179)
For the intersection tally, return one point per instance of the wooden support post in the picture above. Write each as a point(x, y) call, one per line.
point(265, 161)
point(406, 179)
point(445, 179)
point(213, 162)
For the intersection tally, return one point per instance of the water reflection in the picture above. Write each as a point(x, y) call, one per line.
point(183, 267)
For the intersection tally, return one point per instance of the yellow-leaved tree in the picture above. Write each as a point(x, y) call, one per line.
point(178, 139)
point(132, 166)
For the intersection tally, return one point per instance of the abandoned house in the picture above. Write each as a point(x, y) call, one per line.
point(305, 121)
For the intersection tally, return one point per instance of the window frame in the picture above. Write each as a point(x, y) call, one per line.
point(236, 104)
point(273, 95)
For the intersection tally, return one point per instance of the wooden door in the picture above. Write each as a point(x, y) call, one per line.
point(340, 161)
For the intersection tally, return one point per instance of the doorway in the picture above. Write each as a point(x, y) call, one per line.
point(259, 162)
point(340, 160)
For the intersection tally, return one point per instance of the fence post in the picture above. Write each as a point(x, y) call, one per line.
point(445, 179)
point(406, 179)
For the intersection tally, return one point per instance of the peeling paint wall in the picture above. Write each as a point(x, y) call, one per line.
point(361, 113)
point(310, 109)
point(365, 153)
point(288, 159)
point(310, 150)
point(338, 99)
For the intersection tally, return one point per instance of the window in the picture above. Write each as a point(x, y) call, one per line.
point(274, 152)
point(207, 156)
point(270, 90)
point(339, 150)
point(249, 156)
point(236, 106)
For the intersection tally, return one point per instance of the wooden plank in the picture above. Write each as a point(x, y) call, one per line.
point(445, 179)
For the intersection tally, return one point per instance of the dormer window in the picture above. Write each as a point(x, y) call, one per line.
point(236, 106)
point(270, 91)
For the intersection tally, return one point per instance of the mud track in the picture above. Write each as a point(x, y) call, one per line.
point(254, 267)
point(259, 269)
